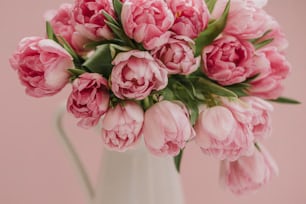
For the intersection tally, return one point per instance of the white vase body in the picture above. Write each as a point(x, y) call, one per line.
point(137, 177)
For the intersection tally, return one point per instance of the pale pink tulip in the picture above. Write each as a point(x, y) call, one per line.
point(224, 132)
point(261, 119)
point(225, 60)
point(268, 84)
point(166, 128)
point(177, 55)
point(147, 22)
point(122, 125)
point(191, 17)
point(63, 25)
point(279, 39)
point(248, 173)
point(246, 19)
point(136, 74)
point(89, 19)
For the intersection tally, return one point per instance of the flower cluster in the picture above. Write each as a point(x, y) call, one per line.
point(170, 72)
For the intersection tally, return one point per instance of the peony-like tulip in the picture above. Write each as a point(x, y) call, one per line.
point(89, 99)
point(261, 119)
point(42, 66)
point(147, 22)
point(89, 19)
point(225, 60)
point(268, 84)
point(191, 17)
point(246, 18)
point(122, 125)
point(167, 128)
point(225, 132)
point(63, 25)
point(135, 74)
point(279, 39)
point(178, 56)
point(248, 173)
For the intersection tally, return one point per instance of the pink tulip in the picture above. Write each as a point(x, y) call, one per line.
point(42, 66)
point(89, 99)
point(279, 39)
point(63, 25)
point(89, 20)
point(136, 74)
point(122, 125)
point(268, 84)
point(224, 131)
point(225, 60)
point(177, 56)
point(147, 21)
point(248, 173)
point(246, 18)
point(166, 128)
point(261, 117)
point(191, 17)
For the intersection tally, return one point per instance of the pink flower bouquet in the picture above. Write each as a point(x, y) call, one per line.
point(169, 72)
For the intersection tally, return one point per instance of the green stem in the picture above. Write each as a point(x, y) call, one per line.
point(146, 103)
point(178, 159)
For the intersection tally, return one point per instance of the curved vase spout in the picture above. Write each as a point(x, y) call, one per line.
point(131, 177)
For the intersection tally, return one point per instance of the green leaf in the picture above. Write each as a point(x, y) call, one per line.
point(70, 50)
point(194, 112)
point(212, 31)
point(192, 105)
point(210, 5)
point(197, 95)
point(120, 33)
point(212, 88)
point(76, 72)
point(183, 94)
point(257, 146)
point(146, 103)
point(61, 41)
point(285, 100)
point(177, 160)
point(101, 61)
point(240, 89)
point(50, 32)
point(115, 48)
point(263, 43)
point(256, 40)
point(248, 80)
point(117, 7)
point(177, 89)
point(116, 27)
point(167, 94)
point(120, 48)
point(110, 19)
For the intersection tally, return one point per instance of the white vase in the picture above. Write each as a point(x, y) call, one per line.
point(131, 177)
point(137, 177)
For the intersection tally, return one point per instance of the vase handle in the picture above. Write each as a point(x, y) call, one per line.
point(73, 155)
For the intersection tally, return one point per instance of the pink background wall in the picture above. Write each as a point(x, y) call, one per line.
point(34, 168)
